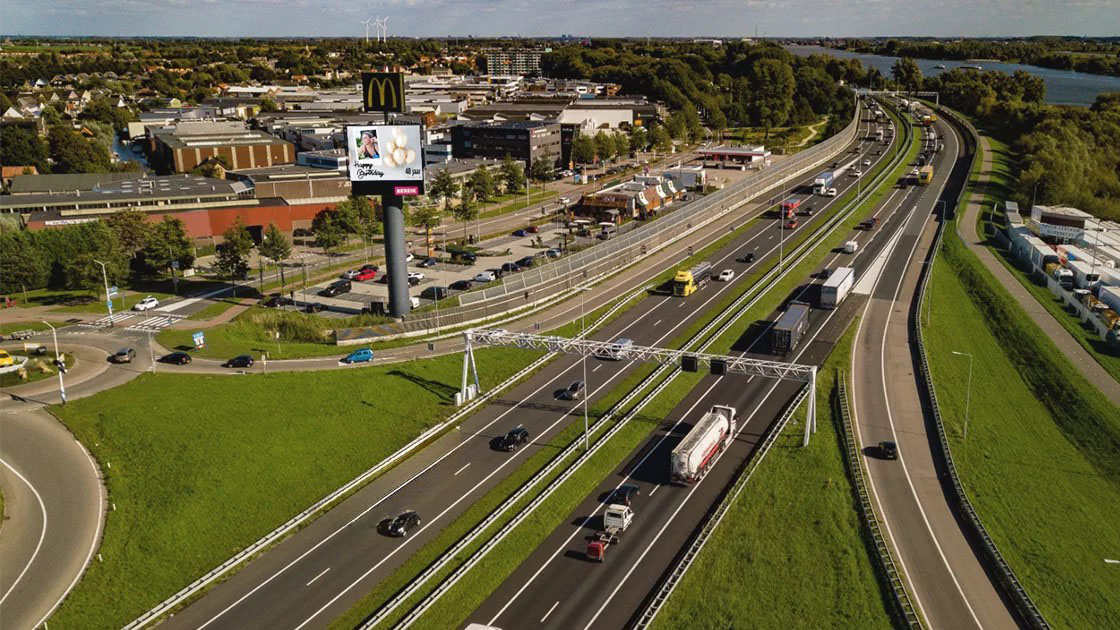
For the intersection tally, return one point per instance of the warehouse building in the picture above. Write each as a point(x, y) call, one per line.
point(187, 145)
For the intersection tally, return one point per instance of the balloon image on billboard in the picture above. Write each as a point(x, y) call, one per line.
point(385, 159)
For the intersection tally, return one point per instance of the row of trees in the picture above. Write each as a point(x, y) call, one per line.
point(68, 258)
point(62, 151)
point(481, 187)
point(1062, 53)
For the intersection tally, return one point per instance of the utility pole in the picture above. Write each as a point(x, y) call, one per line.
point(108, 300)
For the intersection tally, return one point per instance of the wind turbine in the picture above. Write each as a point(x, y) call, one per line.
point(367, 22)
point(383, 26)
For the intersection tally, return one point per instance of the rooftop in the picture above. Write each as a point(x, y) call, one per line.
point(170, 187)
point(54, 183)
point(1065, 211)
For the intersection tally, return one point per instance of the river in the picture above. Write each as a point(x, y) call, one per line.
point(1063, 87)
point(126, 154)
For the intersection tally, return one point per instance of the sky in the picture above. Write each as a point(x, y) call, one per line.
point(591, 18)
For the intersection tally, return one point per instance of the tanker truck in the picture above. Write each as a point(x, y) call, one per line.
point(689, 462)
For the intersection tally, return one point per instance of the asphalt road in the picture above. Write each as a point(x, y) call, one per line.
point(558, 588)
point(319, 572)
point(949, 585)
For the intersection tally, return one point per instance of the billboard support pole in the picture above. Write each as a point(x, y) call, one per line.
point(395, 251)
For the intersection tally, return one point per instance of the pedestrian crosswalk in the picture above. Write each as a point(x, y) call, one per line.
point(150, 323)
point(104, 321)
point(155, 324)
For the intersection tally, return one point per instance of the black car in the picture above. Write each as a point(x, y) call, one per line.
point(498, 273)
point(413, 281)
point(336, 288)
point(124, 355)
point(511, 267)
point(526, 262)
point(624, 494)
point(573, 391)
point(514, 439)
point(461, 256)
point(240, 361)
point(461, 285)
point(434, 293)
point(276, 301)
point(400, 524)
point(746, 258)
point(825, 274)
point(888, 450)
point(314, 307)
point(178, 358)
point(429, 262)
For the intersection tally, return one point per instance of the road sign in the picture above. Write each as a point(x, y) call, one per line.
point(199, 339)
point(175, 264)
point(113, 292)
point(109, 304)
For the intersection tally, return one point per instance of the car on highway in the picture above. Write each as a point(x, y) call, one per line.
point(146, 304)
point(427, 263)
point(239, 361)
point(314, 307)
point(177, 358)
point(726, 275)
point(365, 275)
point(620, 348)
point(857, 173)
point(434, 293)
point(520, 233)
point(624, 494)
point(485, 276)
point(461, 285)
point(361, 355)
point(124, 355)
point(573, 391)
point(511, 267)
point(831, 192)
point(336, 288)
point(400, 524)
point(867, 162)
point(888, 450)
point(349, 275)
point(746, 258)
point(6, 360)
point(514, 439)
point(825, 273)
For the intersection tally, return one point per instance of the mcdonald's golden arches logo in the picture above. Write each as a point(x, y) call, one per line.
point(383, 91)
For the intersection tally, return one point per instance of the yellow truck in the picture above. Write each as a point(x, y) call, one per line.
point(689, 281)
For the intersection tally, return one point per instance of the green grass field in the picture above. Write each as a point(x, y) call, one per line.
point(789, 552)
point(37, 368)
point(1041, 464)
point(201, 466)
point(7, 328)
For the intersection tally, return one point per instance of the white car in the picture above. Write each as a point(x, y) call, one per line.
point(857, 173)
point(416, 275)
point(867, 162)
point(485, 276)
point(349, 275)
point(831, 192)
point(408, 257)
point(726, 275)
point(146, 304)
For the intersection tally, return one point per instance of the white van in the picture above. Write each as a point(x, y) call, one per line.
point(851, 247)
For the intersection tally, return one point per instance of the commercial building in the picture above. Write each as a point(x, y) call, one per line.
point(524, 141)
point(295, 183)
point(522, 61)
point(144, 194)
point(736, 155)
point(640, 198)
point(180, 149)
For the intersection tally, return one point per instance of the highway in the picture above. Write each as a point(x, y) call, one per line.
point(316, 574)
point(949, 585)
point(556, 587)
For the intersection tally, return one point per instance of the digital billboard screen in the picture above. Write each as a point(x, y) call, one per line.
point(385, 159)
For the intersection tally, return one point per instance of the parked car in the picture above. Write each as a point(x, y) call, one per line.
point(146, 304)
point(574, 391)
point(178, 358)
point(726, 275)
point(461, 285)
point(365, 275)
point(276, 301)
point(369, 268)
point(888, 450)
point(361, 355)
point(526, 262)
point(520, 233)
point(239, 361)
point(409, 257)
point(497, 271)
point(514, 439)
point(553, 253)
point(6, 359)
point(511, 267)
point(419, 275)
point(314, 307)
point(533, 229)
point(336, 288)
point(427, 263)
point(624, 494)
point(124, 355)
point(485, 276)
point(434, 293)
point(465, 257)
point(746, 258)
point(400, 524)
point(349, 275)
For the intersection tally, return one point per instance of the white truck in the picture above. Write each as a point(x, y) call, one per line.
point(689, 462)
point(836, 288)
point(851, 247)
point(1111, 297)
point(616, 519)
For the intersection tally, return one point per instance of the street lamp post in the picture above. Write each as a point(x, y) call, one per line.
point(58, 364)
point(108, 300)
point(968, 394)
point(586, 385)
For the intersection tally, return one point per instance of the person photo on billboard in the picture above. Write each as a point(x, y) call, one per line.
point(367, 147)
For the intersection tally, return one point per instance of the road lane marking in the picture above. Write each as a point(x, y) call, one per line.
point(550, 611)
point(596, 368)
point(657, 322)
point(461, 469)
point(318, 576)
point(655, 489)
point(42, 532)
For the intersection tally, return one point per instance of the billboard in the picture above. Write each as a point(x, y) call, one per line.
point(385, 159)
point(383, 92)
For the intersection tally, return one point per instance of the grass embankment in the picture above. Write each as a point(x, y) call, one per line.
point(991, 220)
point(8, 328)
point(191, 489)
point(459, 601)
point(790, 547)
point(791, 137)
point(36, 369)
point(513, 203)
point(1041, 464)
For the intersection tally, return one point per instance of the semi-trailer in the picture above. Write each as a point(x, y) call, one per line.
point(1084, 276)
point(689, 281)
point(789, 207)
point(787, 331)
point(837, 286)
point(690, 460)
point(822, 182)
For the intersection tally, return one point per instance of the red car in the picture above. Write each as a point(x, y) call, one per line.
point(365, 274)
point(532, 229)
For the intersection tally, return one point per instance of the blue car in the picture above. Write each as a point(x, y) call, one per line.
point(520, 233)
point(362, 355)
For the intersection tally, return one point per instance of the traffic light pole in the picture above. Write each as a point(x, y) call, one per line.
point(58, 364)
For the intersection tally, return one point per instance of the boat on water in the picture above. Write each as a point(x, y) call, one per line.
point(971, 67)
point(940, 66)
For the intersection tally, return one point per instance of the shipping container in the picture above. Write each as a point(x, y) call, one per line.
point(788, 329)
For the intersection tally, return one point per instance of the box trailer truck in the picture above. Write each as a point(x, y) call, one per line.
point(787, 331)
point(822, 182)
point(836, 288)
point(690, 460)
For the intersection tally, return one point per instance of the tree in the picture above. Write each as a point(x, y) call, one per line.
point(22, 264)
point(907, 73)
point(428, 218)
point(74, 154)
point(22, 146)
point(481, 184)
point(84, 272)
point(512, 175)
point(583, 149)
point(639, 139)
point(329, 232)
point(212, 167)
point(659, 137)
point(443, 188)
point(131, 229)
point(543, 168)
point(604, 146)
point(621, 144)
point(465, 211)
point(276, 248)
point(678, 125)
point(773, 95)
point(167, 242)
point(233, 252)
point(269, 105)
point(718, 122)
